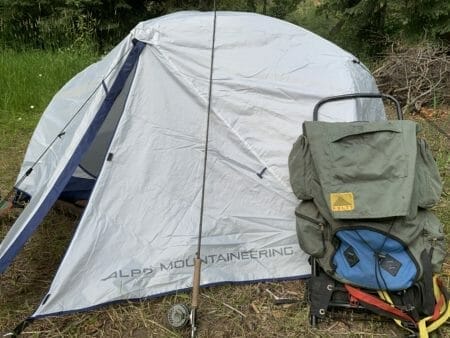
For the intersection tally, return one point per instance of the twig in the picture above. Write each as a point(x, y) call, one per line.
point(165, 329)
point(416, 75)
point(225, 304)
point(255, 308)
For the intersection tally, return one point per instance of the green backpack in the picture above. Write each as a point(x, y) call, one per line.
point(374, 177)
point(366, 188)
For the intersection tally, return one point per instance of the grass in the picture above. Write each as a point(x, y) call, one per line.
point(29, 80)
point(27, 83)
point(226, 311)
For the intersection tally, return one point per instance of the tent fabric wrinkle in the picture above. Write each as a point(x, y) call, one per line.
point(146, 104)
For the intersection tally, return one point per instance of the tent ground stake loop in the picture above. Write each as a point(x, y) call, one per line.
point(19, 328)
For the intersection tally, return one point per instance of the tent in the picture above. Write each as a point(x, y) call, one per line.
point(128, 133)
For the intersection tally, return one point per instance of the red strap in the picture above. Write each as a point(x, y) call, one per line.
point(437, 309)
point(378, 303)
point(439, 304)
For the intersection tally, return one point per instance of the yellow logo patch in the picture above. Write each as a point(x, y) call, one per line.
point(342, 201)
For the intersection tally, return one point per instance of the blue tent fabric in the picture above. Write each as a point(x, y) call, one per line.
point(77, 189)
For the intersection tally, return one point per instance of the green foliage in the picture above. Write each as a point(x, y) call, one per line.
point(281, 8)
point(367, 26)
point(100, 24)
point(431, 17)
point(364, 27)
point(108, 20)
point(308, 15)
point(360, 23)
point(55, 24)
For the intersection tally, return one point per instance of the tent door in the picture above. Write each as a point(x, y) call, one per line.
point(82, 182)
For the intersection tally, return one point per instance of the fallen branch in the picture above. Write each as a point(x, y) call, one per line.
point(416, 75)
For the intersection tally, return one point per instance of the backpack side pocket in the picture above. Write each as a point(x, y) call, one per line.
point(300, 169)
point(435, 241)
point(428, 182)
point(311, 229)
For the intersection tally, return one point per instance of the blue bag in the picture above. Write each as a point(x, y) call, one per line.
point(374, 260)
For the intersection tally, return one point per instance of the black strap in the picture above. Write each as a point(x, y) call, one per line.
point(19, 328)
point(428, 301)
point(418, 300)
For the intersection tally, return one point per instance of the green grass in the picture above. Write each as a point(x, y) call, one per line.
point(28, 81)
point(226, 311)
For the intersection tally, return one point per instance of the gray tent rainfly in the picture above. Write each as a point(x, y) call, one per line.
point(128, 133)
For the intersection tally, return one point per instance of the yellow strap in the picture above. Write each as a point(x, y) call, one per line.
point(436, 289)
point(423, 330)
point(445, 311)
point(441, 320)
point(422, 326)
point(385, 296)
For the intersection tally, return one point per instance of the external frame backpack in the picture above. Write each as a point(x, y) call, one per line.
point(366, 188)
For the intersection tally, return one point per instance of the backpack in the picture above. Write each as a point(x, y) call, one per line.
point(366, 189)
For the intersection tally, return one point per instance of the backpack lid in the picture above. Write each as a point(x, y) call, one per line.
point(365, 169)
